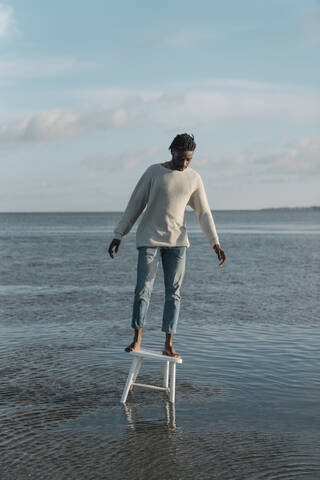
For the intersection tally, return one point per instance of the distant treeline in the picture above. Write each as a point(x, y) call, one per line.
point(314, 207)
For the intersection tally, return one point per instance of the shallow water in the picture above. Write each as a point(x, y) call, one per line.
point(247, 398)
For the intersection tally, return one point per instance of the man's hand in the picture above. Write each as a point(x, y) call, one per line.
point(114, 244)
point(221, 255)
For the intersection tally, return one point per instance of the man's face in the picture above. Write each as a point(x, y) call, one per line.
point(181, 159)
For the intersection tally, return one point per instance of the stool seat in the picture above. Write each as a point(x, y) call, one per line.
point(169, 371)
point(156, 355)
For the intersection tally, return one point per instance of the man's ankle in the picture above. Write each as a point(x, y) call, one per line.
point(137, 335)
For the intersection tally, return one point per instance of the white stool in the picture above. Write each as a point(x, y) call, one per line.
point(137, 360)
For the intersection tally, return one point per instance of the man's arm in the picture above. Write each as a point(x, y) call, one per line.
point(199, 202)
point(135, 206)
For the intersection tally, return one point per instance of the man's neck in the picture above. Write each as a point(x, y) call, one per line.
point(168, 165)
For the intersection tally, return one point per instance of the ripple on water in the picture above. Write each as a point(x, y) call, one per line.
point(61, 415)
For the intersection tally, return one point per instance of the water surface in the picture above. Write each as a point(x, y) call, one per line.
point(247, 399)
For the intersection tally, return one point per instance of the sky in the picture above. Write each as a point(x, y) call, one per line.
point(91, 94)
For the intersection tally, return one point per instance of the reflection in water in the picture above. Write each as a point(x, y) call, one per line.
point(152, 445)
point(169, 420)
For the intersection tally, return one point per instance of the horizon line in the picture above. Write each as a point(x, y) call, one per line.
point(315, 207)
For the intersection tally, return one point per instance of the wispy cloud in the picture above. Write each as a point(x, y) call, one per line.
point(204, 107)
point(300, 156)
point(40, 67)
point(61, 124)
point(7, 22)
point(212, 100)
point(169, 109)
point(121, 161)
point(295, 158)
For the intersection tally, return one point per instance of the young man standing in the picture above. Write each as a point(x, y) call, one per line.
point(166, 189)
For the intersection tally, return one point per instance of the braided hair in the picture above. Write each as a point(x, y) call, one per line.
point(183, 142)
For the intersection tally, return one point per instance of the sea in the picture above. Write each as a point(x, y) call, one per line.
point(247, 392)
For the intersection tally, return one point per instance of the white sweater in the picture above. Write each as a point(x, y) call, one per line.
point(167, 193)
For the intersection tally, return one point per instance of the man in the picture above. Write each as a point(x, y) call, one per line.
point(166, 189)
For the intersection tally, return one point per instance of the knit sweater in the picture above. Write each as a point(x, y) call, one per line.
point(166, 193)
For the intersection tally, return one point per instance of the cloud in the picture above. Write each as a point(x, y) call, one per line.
point(122, 161)
point(61, 124)
point(210, 101)
point(7, 22)
point(39, 67)
point(170, 108)
point(292, 159)
point(300, 156)
point(295, 158)
point(204, 107)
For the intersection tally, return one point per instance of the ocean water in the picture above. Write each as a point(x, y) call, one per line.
point(248, 390)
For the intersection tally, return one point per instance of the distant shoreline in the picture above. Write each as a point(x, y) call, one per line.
point(314, 207)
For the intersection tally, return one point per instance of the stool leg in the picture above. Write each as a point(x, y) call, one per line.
point(137, 370)
point(173, 382)
point(129, 380)
point(166, 374)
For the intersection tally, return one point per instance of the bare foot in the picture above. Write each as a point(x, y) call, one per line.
point(170, 352)
point(133, 347)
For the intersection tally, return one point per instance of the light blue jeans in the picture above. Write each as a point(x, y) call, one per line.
point(173, 264)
